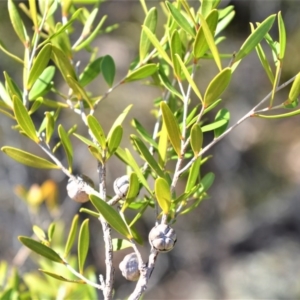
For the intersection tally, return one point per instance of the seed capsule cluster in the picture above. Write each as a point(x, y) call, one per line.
point(162, 238)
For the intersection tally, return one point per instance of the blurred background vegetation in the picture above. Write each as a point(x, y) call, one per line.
point(241, 243)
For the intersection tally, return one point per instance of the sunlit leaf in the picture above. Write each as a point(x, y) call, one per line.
point(28, 159)
point(61, 278)
point(180, 19)
point(295, 89)
point(114, 140)
point(189, 77)
point(255, 37)
point(223, 114)
point(65, 140)
point(163, 194)
point(282, 36)
point(96, 130)
point(210, 42)
point(91, 71)
point(147, 156)
point(24, 120)
point(141, 73)
point(176, 48)
point(120, 244)
point(17, 22)
point(217, 86)
point(194, 174)
point(149, 22)
point(71, 236)
point(83, 244)
point(42, 84)
point(40, 249)
point(173, 130)
point(196, 139)
point(39, 65)
point(200, 44)
point(86, 42)
point(157, 44)
point(110, 215)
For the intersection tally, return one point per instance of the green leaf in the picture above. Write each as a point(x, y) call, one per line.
point(157, 44)
point(91, 71)
point(89, 212)
point(24, 120)
point(50, 123)
point(111, 216)
point(295, 89)
point(141, 73)
point(275, 83)
point(92, 36)
point(139, 214)
point(196, 139)
point(279, 116)
point(39, 65)
point(83, 244)
point(78, 90)
point(28, 159)
point(96, 152)
point(17, 22)
point(207, 6)
point(143, 133)
point(207, 181)
point(33, 14)
point(39, 232)
point(96, 130)
point(173, 130)
point(282, 36)
point(65, 140)
point(168, 85)
point(194, 174)
point(61, 278)
point(63, 63)
point(223, 114)
point(11, 87)
point(120, 244)
point(200, 43)
point(42, 84)
point(217, 86)
point(176, 48)
point(255, 37)
point(63, 28)
point(119, 120)
point(108, 69)
point(163, 146)
point(180, 19)
point(40, 249)
point(51, 230)
point(133, 190)
point(147, 156)
point(163, 194)
point(149, 22)
point(133, 164)
point(210, 41)
point(264, 62)
point(215, 125)
point(71, 236)
point(85, 140)
point(189, 77)
point(114, 140)
point(62, 40)
point(225, 17)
